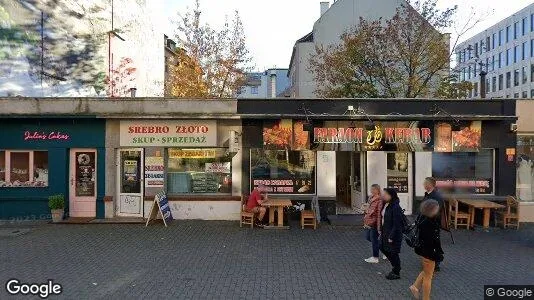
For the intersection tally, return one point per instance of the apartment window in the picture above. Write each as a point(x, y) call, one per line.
point(254, 90)
point(524, 74)
point(507, 34)
point(523, 26)
point(26, 168)
point(469, 72)
point(516, 95)
point(494, 84)
point(487, 45)
point(516, 29)
point(493, 41)
point(516, 53)
point(499, 63)
point(475, 89)
point(516, 78)
point(531, 22)
point(523, 50)
point(487, 85)
point(532, 48)
point(500, 37)
point(487, 63)
point(459, 57)
point(532, 93)
point(508, 80)
point(475, 70)
point(524, 95)
point(532, 73)
point(501, 76)
point(476, 48)
point(481, 47)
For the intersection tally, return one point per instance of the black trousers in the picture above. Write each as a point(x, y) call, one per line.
point(394, 259)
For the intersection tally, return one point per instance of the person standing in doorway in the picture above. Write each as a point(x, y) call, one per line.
point(429, 248)
point(431, 192)
point(391, 233)
point(372, 222)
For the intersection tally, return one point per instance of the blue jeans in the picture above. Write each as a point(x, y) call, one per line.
point(371, 234)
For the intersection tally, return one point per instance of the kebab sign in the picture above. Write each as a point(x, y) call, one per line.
point(168, 133)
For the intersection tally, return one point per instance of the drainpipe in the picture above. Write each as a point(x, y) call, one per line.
point(483, 84)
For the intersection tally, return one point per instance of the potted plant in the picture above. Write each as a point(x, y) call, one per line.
point(56, 203)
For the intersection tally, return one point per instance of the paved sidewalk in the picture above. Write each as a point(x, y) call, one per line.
point(219, 260)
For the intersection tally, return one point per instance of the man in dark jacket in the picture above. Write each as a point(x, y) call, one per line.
point(432, 193)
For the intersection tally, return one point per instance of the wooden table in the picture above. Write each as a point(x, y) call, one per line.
point(278, 205)
point(485, 205)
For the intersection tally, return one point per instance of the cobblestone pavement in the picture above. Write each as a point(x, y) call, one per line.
point(219, 260)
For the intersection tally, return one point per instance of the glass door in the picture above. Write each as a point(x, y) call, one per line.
point(130, 183)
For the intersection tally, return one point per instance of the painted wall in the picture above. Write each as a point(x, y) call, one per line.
point(32, 202)
point(75, 60)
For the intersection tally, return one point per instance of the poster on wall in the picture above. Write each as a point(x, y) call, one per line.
point(85, 174)
point(278, 134)
point(154, 177)
point(465, 138)
point(397, 171)
point(283, 172)
point(168, 133)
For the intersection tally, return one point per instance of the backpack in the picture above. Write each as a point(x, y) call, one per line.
point(411, 235)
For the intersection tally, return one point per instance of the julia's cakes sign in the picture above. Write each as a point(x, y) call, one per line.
point(168, 133)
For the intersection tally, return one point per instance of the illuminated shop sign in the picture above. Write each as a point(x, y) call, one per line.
point(192, 153)
point(387, 135)
point(168, 133)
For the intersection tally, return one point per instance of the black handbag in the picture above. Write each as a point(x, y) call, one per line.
point(411, 236)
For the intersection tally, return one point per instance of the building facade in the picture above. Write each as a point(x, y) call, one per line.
point(334, 20)
point(73, 49)
point(271, 83)
point(109, 157)
point(506, 52)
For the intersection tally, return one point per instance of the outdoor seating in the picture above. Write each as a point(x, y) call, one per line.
point(509, 216)
point(456, 216)
point(307, 218)
point(247, 218)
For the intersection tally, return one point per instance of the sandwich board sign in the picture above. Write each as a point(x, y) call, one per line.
point(160, 207)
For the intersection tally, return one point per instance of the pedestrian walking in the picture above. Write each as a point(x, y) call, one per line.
point(431, 192)
point(429, 247)
point(391, 233)
point(372, 222)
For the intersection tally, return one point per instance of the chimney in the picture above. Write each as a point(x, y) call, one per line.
point(324, 7)
point(483, 84)
point(273, 84)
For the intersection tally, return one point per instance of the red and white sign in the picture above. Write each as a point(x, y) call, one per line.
point(45, 136)
point(168, 133)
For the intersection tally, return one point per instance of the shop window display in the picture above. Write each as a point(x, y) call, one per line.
point(464, 172)
point(23, 168)
point(283, 171)
point(199, 171)
point(525, 168)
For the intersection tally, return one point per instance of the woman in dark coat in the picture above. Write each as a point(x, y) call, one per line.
point(391, 237)
point(429, 247)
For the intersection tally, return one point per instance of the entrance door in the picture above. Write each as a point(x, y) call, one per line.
point(130, 183)
point(83, 183)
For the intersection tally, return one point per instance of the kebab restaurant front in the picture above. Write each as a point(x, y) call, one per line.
point(337, 157)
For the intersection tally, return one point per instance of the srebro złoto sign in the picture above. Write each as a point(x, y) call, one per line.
point(168, 133)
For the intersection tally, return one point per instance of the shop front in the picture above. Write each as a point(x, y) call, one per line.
point(40, 157)
point(315, 148)
point(193, 161)
point(525, 160)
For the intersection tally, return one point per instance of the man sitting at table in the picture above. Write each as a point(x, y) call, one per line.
point(255, 199)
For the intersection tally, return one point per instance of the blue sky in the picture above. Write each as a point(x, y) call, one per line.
point(272, 26)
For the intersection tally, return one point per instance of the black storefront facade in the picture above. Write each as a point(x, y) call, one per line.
point(335, 149)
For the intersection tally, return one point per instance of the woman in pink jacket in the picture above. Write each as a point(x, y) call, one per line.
point(372, 222)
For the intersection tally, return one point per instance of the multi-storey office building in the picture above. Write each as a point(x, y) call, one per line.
point(506, 52)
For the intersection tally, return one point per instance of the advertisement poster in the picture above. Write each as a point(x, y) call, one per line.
point(465, 137)
point(154, 177)
point(168, 133)
point(525, 167)
point(218, 167)
point(301, 138)
point(283, 172)
point(397, 171)
point(85, 174)
point(465, 186)
point(278, 134)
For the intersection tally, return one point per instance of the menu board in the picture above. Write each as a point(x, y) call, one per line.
point(154, 176)
point(397, 171)
point(85, 174)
